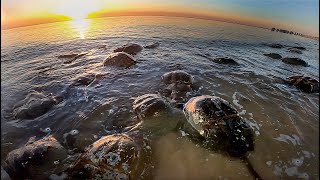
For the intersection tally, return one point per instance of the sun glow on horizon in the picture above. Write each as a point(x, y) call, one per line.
point(76, 9)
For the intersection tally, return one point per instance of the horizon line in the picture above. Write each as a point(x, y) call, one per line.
point(151, 14)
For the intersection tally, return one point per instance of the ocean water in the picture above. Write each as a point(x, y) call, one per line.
point(285, 120)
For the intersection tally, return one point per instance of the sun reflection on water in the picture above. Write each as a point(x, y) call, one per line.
point(80, 26)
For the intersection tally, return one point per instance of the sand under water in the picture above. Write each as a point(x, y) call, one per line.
point(284, 119)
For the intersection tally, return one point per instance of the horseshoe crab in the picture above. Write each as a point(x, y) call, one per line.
point(35, 104)
point(294, 61)
point(33, 160)
point(177, 76)
point(215, 121)
point(119, 59)
point(149, 105)
point(177, 86)
point(305, 84)
point(117, 156)
point(131, 49)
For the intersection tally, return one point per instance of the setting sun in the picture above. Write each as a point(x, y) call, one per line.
point(76, 9)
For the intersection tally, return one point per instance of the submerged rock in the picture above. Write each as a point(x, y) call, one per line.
point(152, 46)
point(131, 49)
point(273, 55)
point(216, 122)
point(72, 57)
point(294, 61)
point(149, 105)
point(274, 45)
point(117, 156)
point(178, 76)
point(119, 59)
point(224, 60)
point(305, 84)
point(35, 160)
point(34, 105)
point(299, 47)
point(83, 80)
point(294, 50)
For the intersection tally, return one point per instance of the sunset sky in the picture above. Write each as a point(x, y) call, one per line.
point(297, 15)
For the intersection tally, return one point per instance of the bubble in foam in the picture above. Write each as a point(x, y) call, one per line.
point(74, 132)
point(297, 162)
point(269, 163)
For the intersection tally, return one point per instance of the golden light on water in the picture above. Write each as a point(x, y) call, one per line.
point(80, 26)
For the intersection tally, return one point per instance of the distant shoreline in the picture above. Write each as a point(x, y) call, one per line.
point(200, 18)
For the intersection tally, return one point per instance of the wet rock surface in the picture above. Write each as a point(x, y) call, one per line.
point(152, 46)
point(305, 84)
point(149, 105)
point(294, 61)
point(117, 156)
point(131, 49)
point(34, 105)
point(214, 121)
point(224, 60)
point(119, 59)
point(35, 160)
point(273, 55)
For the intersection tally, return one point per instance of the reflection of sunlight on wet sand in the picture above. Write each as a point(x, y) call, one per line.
point(81, 26)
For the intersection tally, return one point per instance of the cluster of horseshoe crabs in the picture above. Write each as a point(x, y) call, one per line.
point(209, 119)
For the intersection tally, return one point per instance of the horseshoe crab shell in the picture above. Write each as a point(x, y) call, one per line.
point(35, 159)
point(149, 105)
point(213, 119)
point(178, 76)
point(305, 84)
point(114, 157)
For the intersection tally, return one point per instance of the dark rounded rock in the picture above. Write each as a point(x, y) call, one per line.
point(273, 55)
point(35, 160)
point(132, 49)
point(149, 105)
point(119, 59)
point(152, 46)
point(178, 76)
point(224, 60)
point(214, 120)
point(34, 105)
point(305, 84)
point(117, 156)
point(294, 61)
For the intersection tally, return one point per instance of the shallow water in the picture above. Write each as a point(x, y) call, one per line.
point(284, 119)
